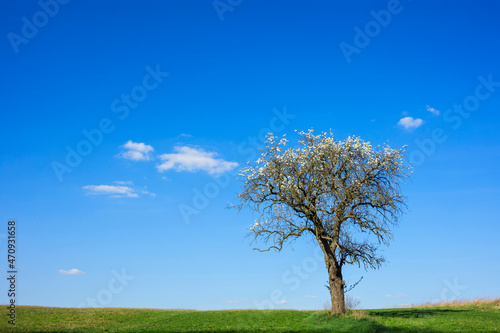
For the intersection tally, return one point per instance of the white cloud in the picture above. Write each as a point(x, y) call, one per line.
point(410, 123)
point(237, 300)
point(149, 193)
point(136, 151)
point(432, 110)
point(72, 271)
point(114, 191)
point(121, 182)
point(400, 295)
point(281, 302)
point(194, 159)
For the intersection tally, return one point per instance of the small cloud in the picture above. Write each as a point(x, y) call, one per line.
point(72, 271)
point(404, 113)
point(121, 182)
point(410, 123)
point(400, 295)
point(113, 191)
point(148, 193)
point(136, 151)
point(194, 159)
point(432, 110)
point(311, 296)
point(236, 300)
point(185, 135)
point(281, 302)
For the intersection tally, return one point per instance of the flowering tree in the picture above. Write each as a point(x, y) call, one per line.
point(335, 191)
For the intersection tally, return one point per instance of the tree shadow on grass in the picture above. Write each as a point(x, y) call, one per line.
point(411, 313)
point(321, 323)
point(376, 328)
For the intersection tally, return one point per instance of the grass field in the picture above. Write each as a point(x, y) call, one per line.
point(471, 316)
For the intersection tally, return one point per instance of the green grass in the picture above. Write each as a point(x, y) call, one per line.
point(478, 316)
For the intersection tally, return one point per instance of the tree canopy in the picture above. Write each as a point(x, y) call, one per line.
point(329, 189)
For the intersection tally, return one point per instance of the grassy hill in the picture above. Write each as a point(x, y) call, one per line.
point(472, 316)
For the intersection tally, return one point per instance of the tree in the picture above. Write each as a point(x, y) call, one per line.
point(334, 191)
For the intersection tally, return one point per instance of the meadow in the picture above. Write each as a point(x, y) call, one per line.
point(465, 316)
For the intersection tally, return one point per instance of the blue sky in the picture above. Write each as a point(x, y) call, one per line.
point(124, 124)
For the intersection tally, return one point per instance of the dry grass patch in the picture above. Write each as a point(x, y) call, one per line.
point(459, 303)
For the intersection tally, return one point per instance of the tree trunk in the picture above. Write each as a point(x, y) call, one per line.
point(336, 287)
point(334, 277)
